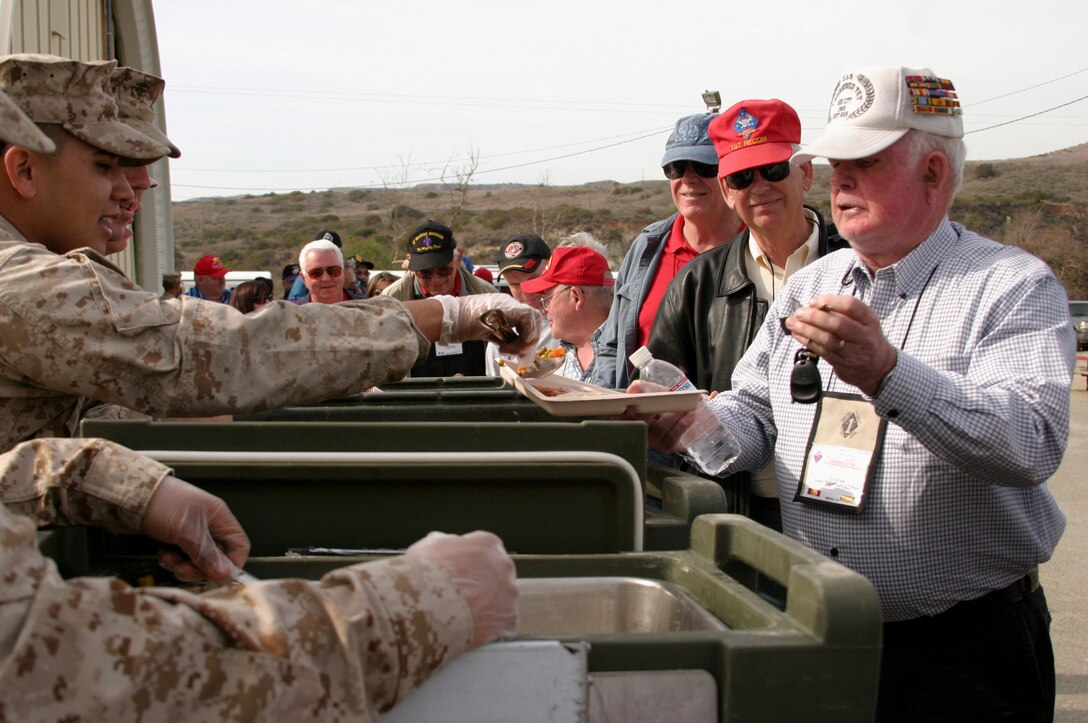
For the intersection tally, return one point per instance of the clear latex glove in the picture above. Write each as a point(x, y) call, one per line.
point(461, 322)
point(484, 576)
point(200, 524)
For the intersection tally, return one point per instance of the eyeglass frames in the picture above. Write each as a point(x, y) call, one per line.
point(773, 172)
point(332, 271)
point(675, 170)
point(547, 300)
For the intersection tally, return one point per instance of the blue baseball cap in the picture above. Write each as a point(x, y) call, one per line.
point(690, 141)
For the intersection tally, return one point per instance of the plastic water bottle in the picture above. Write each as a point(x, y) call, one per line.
point(707, 442)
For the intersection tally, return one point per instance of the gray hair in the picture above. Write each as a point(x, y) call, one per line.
point(319, 245)
point(599, 296)
point(920, 143)
point(583, 238)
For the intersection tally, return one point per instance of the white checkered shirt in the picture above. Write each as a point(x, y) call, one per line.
point(977, 410)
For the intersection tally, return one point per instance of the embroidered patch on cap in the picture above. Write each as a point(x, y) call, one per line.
point(745, 124)
point(513, 249)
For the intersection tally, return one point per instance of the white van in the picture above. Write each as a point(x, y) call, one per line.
point(233, 278)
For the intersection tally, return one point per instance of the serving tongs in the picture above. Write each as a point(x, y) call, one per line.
point(504, 332)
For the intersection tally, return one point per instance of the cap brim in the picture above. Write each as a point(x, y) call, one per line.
point(699, 154)
point(538, 285)
point(152, 132)
point(119, 139)
point(430, 260)
point(754, 157)
point(845, 143)
point(525, 265)
point(17, 129)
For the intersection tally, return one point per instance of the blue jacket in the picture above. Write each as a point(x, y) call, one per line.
point(619, 334)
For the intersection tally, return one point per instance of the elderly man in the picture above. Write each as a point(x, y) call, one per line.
point(576, 294)
point(702, 222)
point(940, 362)
point(522, 257)
point(436, 271)
point(210, 280)
point(111, 341)
point(322, 265)
point(713, 309)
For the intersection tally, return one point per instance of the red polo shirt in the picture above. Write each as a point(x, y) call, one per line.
point(676, 254)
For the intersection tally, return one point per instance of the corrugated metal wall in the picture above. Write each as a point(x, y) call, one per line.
point(72, 28)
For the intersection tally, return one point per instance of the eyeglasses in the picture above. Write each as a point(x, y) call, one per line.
point(546, 301)
point(443, 272)
point(676, 169)
point(332, 271)
point(773, 172)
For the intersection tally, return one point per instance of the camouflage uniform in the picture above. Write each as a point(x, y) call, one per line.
point(75, 326)
point(343, 648)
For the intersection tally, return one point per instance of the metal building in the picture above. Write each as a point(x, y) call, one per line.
point(121, 30)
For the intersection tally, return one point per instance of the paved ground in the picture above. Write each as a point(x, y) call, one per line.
point(1065, 577)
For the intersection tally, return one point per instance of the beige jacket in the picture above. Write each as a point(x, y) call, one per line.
point(344, 648)
point(74, 326)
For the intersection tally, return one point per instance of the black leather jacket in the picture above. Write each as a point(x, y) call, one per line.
point(710, 313)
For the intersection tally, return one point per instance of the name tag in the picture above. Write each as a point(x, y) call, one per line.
point(448, 349)
point(846, 438)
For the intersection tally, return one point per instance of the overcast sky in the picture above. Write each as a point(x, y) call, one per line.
point(270, 95)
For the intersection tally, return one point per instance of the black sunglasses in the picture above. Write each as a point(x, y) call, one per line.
point(675, 170)
point(773, 172)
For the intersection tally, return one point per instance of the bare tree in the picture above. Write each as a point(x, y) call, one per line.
point(456, 180)
point(544, 218)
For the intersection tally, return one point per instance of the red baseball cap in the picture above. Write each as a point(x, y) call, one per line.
point(574, 266)
point(210, 266)
point(754, 133)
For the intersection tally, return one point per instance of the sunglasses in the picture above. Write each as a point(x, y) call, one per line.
point(773, 172)
point(332, 271)
point(443, 272)
point(675, 170)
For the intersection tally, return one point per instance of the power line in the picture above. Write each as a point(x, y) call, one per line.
point(421, 163)
point(1030, 87)
point(438, 179)
point(1017, 120)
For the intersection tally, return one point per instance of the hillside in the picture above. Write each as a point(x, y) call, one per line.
point(1040, 203)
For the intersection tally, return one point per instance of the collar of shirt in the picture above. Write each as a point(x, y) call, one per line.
point(770, 279)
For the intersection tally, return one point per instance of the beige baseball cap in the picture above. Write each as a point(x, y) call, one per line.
point(873, 107)
point(136, 93)
point(75, 95)
point(19, 130)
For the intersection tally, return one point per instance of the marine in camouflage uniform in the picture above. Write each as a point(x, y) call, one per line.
point(74, 326)
point(344, 648)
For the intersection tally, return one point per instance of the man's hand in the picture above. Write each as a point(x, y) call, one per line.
point(663, 431)
point(201, 525)
point(847, 334)
point(484, 576)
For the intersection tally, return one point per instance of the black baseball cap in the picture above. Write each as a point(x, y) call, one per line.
point(291, 270)
point(523, 252)
point(329, 236)
point(431, 245)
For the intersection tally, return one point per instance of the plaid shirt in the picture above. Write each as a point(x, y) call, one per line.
point(977, 411)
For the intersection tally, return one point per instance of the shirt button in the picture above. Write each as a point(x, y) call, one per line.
point(834, 552)
point(893, 413)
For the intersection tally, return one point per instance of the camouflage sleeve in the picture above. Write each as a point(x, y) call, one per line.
point(79, 482)
point(74, 324)
point(345, 648)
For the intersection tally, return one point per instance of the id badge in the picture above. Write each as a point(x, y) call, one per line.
point(842, 453)
point(448, 349)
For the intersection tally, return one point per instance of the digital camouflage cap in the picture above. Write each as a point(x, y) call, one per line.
point(136, 93)
point(16, 128)
point(75, 95)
